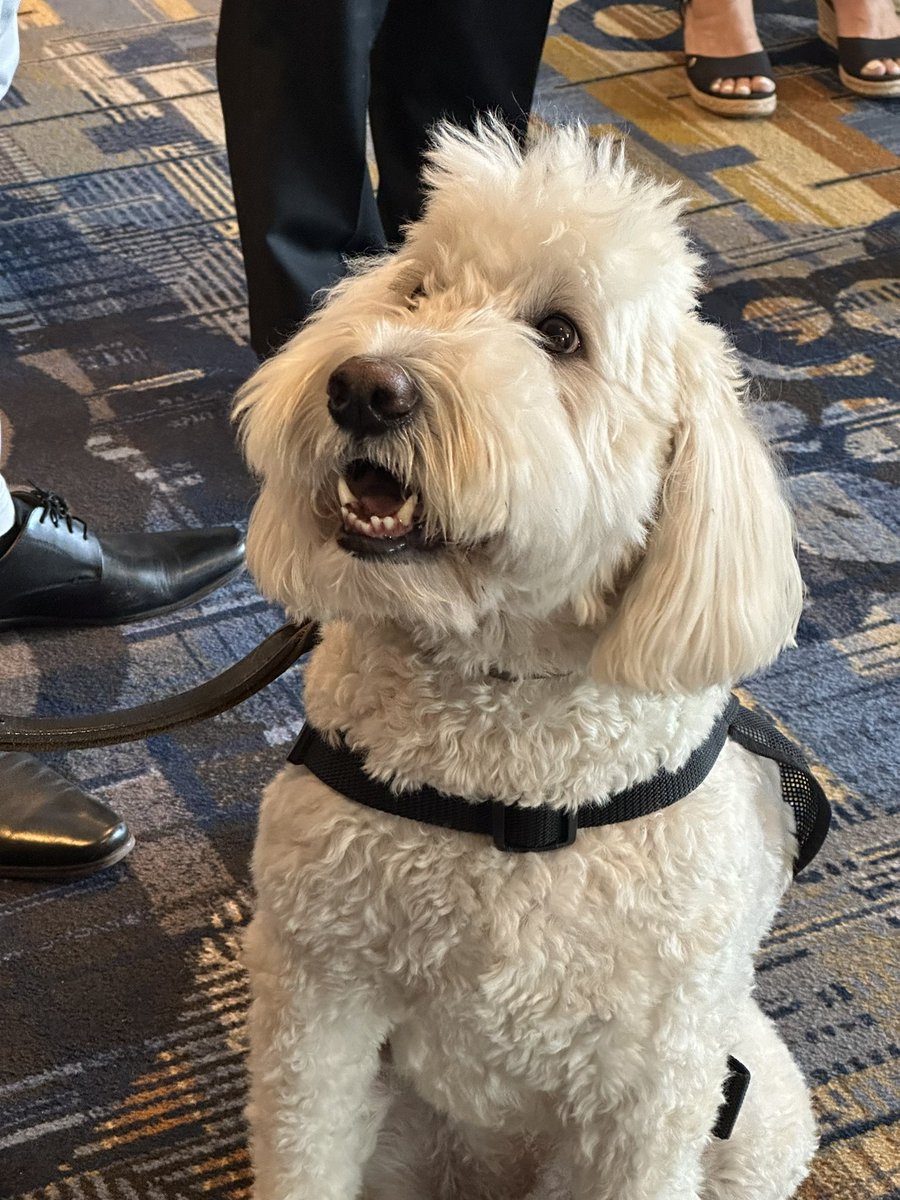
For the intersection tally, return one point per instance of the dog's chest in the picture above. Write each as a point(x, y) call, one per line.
point(443, 919)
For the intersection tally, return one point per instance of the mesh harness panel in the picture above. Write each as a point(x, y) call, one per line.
point(799, 787)
point(518, 828)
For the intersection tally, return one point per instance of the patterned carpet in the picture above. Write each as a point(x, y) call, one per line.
point(122, 338)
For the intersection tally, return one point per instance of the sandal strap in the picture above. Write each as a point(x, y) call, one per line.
point(854, 53)
point(702, 69)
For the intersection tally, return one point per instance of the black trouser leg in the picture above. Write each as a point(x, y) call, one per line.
point(446, 58)
point(294, 85)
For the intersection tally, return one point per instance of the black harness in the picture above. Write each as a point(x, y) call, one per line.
point(518, 829)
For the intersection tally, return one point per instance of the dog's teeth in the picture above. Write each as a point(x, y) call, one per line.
point(388, 523)
point(362, 526)
point(375, 522)
point(405, 515)
point(344, 494)
point(344, 510)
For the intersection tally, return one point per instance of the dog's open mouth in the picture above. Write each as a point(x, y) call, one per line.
point(380, 515)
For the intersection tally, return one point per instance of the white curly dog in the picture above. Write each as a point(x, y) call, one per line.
point(510, 468)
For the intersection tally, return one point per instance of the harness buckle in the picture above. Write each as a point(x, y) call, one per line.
point(500, 815)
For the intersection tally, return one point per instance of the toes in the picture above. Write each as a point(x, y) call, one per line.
point(879, 67)
point(743, 86)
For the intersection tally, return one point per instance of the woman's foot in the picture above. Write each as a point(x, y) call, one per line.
point(726, 29)
point(870, 19)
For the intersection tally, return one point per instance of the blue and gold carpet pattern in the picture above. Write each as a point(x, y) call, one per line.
point(122, 340)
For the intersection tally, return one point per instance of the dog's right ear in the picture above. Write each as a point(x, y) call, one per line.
point(268, 420)
point(717, 593)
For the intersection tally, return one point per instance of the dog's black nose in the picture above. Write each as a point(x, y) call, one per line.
point(369, 395)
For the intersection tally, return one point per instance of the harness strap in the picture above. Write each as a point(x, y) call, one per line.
point(734, 1089)
point(517, 828)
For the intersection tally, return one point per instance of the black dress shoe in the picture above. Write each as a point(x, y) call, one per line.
point(50, 829)
point(56, 572)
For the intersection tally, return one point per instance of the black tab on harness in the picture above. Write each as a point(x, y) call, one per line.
point(734, 1089)
point(558, 828)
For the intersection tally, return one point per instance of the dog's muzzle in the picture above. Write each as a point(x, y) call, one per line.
point(370, 396)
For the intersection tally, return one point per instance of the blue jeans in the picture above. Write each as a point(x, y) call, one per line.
point(9, 43)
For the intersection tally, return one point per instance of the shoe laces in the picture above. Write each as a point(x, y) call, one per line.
point(56, 508)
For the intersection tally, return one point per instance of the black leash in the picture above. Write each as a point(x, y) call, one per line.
point(247, 677)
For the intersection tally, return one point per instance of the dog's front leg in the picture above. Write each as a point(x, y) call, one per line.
point(314, 1057)
point(648, 1144)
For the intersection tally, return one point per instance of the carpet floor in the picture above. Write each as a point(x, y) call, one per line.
point(122, 339)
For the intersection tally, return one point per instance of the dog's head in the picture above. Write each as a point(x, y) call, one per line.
point(520, 413)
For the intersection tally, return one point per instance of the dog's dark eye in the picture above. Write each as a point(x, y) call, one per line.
point(560, 335)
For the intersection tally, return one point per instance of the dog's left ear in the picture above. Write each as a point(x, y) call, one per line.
point(718, 593)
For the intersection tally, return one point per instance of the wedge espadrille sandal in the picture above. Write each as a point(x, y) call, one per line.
point(702, 70)
point(853, 54)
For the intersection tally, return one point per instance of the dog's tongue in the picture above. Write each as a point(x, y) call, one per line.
point(378, 493)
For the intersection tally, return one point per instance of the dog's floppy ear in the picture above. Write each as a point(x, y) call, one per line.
point(718, 593)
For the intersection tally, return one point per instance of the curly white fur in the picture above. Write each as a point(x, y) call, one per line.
point(434, 1019)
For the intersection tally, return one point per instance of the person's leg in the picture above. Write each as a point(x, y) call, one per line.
point(294, 85)
point(446, 58)
point(9, 43)
point(7, 516)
